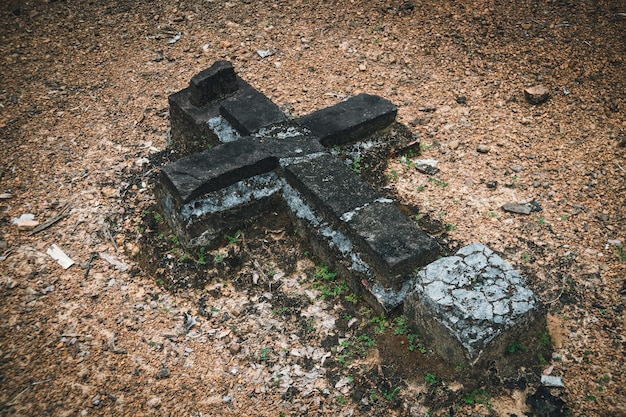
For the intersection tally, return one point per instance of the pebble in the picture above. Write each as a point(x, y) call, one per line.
point(428, 108)
point(483, 148)
point(537, 94)
point(516, 168)
point(461, 100)
point(516, 208)
point(154, 402)
point(454, 144)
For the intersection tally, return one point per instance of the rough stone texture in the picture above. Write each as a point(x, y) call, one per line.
point(393, 244)
point(472, 305)
point(331, 185)
point(350, 120)
point(212, 83)
point(218, 168)
point(203, 221)
point(517, 208)
point(249, 111)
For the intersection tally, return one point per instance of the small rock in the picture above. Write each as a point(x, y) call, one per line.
point(536, 94)
point(234, 348)
point(526, 25)
point(24, 224)
point(516, 208)
point(552, 381)
point(154, 402)
point(427, 169)
point(224, 44)
point(264, 53)
point(428, 108)
point(461, 100)
point(454, 144)
point(483, 148)
point(163, 373)
point(362, 67)
point(516, 168)
point(492, 185)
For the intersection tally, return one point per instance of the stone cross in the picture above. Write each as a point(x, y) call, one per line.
point(259, 160)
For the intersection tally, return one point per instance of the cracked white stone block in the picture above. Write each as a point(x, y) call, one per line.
point(472, 305)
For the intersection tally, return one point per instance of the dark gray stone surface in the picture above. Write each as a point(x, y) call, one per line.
point(213, 83)
point(249, 111)
point(201, 173)
point(330, 185)
point(394, 244)
point(350, 120)
point(289, 142)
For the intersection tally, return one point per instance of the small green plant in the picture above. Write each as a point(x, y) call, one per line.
point(542, 361)
point(201, 260)
point(158, 217)
point(264, 354)
point(438, 182)
point(233, 239)
point(218, 259)
point(390, 395)
point(393, 176)
point(175, 240)
point(379, 323)
point(401, 326)
point(420, 188)
point(356, 164)
point(337, 148)
point(545, 339)
point(601, 381)
point(430, 379)
point(322, 272)
point(341, 399)
point(493, 214)
point(378, 28)
point(620, 252)
point(478, 397)
point(366, 340)
point(451, 227)
point(414, 343)
point(515, 347)
point(526, 257)
point(541, 221)
point(352, 298)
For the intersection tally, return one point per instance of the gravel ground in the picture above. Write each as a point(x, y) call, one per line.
point(138, 327)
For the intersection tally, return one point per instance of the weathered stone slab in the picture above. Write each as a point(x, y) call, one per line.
point(331, 186)
point(204, 220)
point(213, 83)
point(393, 243)
point(350, 120)
point(201, 173)
point(334, 248)
point(471, 306)
point(249, 111)
point(289, 142)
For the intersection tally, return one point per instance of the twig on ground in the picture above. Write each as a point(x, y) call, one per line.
point(60, 215)
point(561, 292)
point(107, 233)
point(93, 255)
point(620, 167)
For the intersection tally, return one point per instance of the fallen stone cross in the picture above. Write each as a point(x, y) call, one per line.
point(258, 160)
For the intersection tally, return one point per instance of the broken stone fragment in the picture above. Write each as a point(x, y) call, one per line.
point(483, 148)
point(26, 224)
point(517, 208)
point(537, 94)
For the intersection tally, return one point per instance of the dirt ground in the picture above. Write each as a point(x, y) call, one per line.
point(138, 327)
